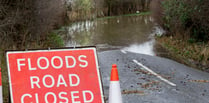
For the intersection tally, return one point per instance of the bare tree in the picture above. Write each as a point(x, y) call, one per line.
point(24, 22)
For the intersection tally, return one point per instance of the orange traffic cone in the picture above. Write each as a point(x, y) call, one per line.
point(114, 91)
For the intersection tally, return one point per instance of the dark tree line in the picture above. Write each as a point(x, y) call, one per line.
point(81, 9)
point(118, 7)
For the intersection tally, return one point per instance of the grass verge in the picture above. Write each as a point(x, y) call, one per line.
point(192, 54)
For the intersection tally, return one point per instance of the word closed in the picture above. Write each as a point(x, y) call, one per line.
point(54, 76)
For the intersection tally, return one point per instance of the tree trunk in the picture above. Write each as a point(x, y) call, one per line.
point(143, 4)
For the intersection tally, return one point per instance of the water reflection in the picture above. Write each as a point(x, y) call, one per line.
point(132, 33)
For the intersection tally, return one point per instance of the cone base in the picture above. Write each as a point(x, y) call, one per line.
point(115, 92)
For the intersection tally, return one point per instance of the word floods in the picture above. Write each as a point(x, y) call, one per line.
point(54, 76)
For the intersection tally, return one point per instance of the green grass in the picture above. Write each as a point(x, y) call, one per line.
point(54, 40)
point(4, 75)
point(135, 14)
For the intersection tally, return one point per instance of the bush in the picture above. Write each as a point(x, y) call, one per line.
point(26, 23)
point(185, 18)
point(54, 40)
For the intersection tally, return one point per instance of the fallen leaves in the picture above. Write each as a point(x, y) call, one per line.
point(199, 81)
point(133, 92)
point(141, 71)
point(150, 84)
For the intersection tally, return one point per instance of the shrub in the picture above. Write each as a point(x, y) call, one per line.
point(189, 18)
point(27, 22)
point(54, 40)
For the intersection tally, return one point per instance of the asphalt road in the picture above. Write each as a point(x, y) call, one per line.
point(151, 79)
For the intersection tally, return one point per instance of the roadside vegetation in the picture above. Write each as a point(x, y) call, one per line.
point(187, 29)
point(195, 55)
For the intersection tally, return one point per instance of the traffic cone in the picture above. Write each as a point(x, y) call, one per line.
point(114, 90)
point(1, 93)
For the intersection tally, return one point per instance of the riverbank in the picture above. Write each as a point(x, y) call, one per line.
point(190, 53)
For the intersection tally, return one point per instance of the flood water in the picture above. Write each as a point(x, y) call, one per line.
point(128, 33)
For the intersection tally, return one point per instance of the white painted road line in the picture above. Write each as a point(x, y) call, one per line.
point(123, 51)
point(152, 72)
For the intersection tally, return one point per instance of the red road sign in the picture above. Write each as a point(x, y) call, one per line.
point(54, 76)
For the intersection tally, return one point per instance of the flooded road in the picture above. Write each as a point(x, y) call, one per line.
point(128, 33)
point(120, 41)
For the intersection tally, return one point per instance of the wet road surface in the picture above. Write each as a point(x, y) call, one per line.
point(171, 82)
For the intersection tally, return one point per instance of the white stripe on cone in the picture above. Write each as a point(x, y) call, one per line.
point(1, 96)
point(114, 90)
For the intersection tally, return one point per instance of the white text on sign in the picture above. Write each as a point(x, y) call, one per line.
point(63, 97)
point(81, 60)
